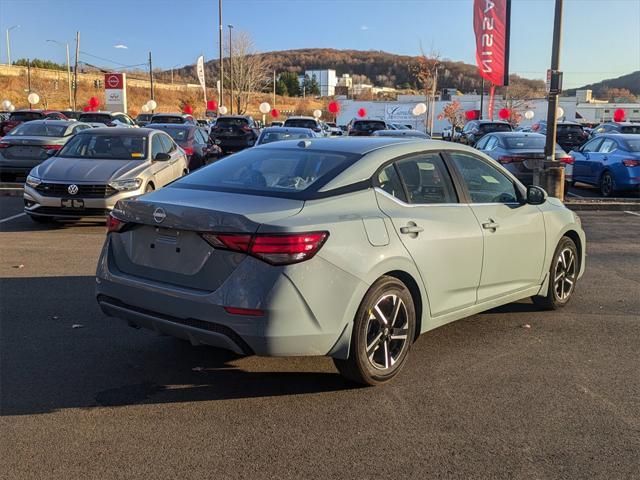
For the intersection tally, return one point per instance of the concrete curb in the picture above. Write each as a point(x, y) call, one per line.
point(594, 205)
point(11, 189)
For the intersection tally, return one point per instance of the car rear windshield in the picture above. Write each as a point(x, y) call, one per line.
point(39, 130)
point(633, 145)
point(95, 118)
point(630, 129)
point(167, 119)
point(301, 123)
point(566, 129)
point(494, 127)
point(144, 117)
point(178, 134)
point(514, 143)
point(270, 172)
point(269, 137)
point(369, 125)
point(232, 122)
point(109, 147)
point(26, 116)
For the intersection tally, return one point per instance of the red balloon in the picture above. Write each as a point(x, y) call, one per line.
point(86, 109)
point(619, 115)
point(362, 112)
point(334, 107)
point(188, 109)
point(504, 113)
point(212, 105)
point(471, 114)
point(94, 102)
point(275, 113)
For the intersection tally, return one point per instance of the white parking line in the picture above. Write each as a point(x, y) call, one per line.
point(11, 218)
point(632, 213)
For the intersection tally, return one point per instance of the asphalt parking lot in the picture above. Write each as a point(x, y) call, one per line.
point(512, 393)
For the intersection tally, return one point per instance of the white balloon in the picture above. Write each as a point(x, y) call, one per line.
point(145, 108)
point(11, 108)
point(317, 113)
point(152, 104)
point(264, 107)
point(529, 114)
point(559, 112)
point(6, 104)
point(419, 109)
point(33, 98)
point(222, 110)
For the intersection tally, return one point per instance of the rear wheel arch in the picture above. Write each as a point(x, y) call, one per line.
point(416, 295)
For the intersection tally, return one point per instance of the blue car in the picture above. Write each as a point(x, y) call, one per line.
point(609, 161)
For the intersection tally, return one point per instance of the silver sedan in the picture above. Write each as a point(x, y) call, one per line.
point(98, 167)
point(349, 248)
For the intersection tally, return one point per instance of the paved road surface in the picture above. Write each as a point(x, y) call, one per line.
point(482, 398)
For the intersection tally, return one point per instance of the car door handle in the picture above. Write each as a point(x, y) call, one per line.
point(411, 229)
point(490, 225)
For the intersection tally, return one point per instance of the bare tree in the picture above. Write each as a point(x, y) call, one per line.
point(251, 73)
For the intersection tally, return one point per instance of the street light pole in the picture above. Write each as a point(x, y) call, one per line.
point(230, 71)
point(9, 43)
point(68, 68)
point(221, 65)
point(75, 73)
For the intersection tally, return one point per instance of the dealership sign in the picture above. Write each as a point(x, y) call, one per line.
point(115, 89)
point(491, 23)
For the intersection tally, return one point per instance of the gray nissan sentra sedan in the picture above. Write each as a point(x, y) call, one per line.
point(98, 167)
point(349, 248)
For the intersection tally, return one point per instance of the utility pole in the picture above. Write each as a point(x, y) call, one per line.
point(481, 97)
point(151, 78)
point(555, 86)
point(221, 66)
point(29, 80)
point(75, 73)
point(9, 43)
point(230, 71)
point(433, 101)
point(69, 74)
point(274, 89)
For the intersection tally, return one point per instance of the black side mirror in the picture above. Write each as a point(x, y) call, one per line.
point(536, 195)
point(162, 157)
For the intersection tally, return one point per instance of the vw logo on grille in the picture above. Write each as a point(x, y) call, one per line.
point(159, 215)
point(72, 189)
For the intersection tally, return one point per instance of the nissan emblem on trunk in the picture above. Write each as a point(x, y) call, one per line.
point(159, 215)
point(72, 189)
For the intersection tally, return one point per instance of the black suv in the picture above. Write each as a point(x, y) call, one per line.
point(474, 130)
point(365, 128)
point(234, 133)
point(569, 135)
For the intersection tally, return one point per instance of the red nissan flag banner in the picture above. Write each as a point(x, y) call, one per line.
point(491, 23)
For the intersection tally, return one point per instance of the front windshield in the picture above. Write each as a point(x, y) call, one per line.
point(269, 137)
point(269, 171)
point(39, 130)
point(107, 147)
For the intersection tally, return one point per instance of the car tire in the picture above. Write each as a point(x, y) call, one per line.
point(607, 186)
point(563, 275)
point(41, 220)
point(383, 331)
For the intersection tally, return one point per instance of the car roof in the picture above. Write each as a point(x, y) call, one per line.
point(287, 129)
point(246, 117)
point(516, 134)
point(484, 122)
point(117, 132)
point(182, 126)
point(47, 121)
point(170, 114)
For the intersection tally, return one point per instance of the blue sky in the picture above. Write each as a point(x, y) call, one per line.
point(601, 37)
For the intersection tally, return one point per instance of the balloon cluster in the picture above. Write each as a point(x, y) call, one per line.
point(188, 109)
point(504, 113)
point(212, 105)
point(92, 105)
point(8, 106)
point(472, 114)
point(334, 107)
point(362, 112)
point(619, 115)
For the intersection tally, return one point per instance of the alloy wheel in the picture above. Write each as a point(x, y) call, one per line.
point(387, 331)
point(565, 274)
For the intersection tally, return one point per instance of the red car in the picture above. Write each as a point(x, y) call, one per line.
point(20, 116)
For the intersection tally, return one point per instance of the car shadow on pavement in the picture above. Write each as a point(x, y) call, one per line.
point(24, 224)
point(61, 352)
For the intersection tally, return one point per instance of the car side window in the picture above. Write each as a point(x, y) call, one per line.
point(608, 145)
point(491, 143)
point(427, 179)
point(485, 183)
point(156, 146)
point(482, 143)
point(592, 146)
point(468, 126)
point(167, 143)
point(389, 181)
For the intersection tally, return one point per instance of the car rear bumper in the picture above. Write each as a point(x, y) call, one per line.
point(229, 144)
point(40, 205)
point(293, 323)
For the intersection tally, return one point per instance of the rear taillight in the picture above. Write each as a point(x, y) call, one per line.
point(4, 145)
point(247, 312)
point(627, 162)
point(245, 128)
point(188, 150)
point(52, 147)
point(507, 159)
point(277, 249)
point(567, 160)
point(114, 224)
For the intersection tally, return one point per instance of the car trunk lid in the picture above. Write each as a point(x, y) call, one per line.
point(29, 147)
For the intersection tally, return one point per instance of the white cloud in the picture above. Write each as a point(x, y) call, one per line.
point(364, 27)
point(120, 45)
